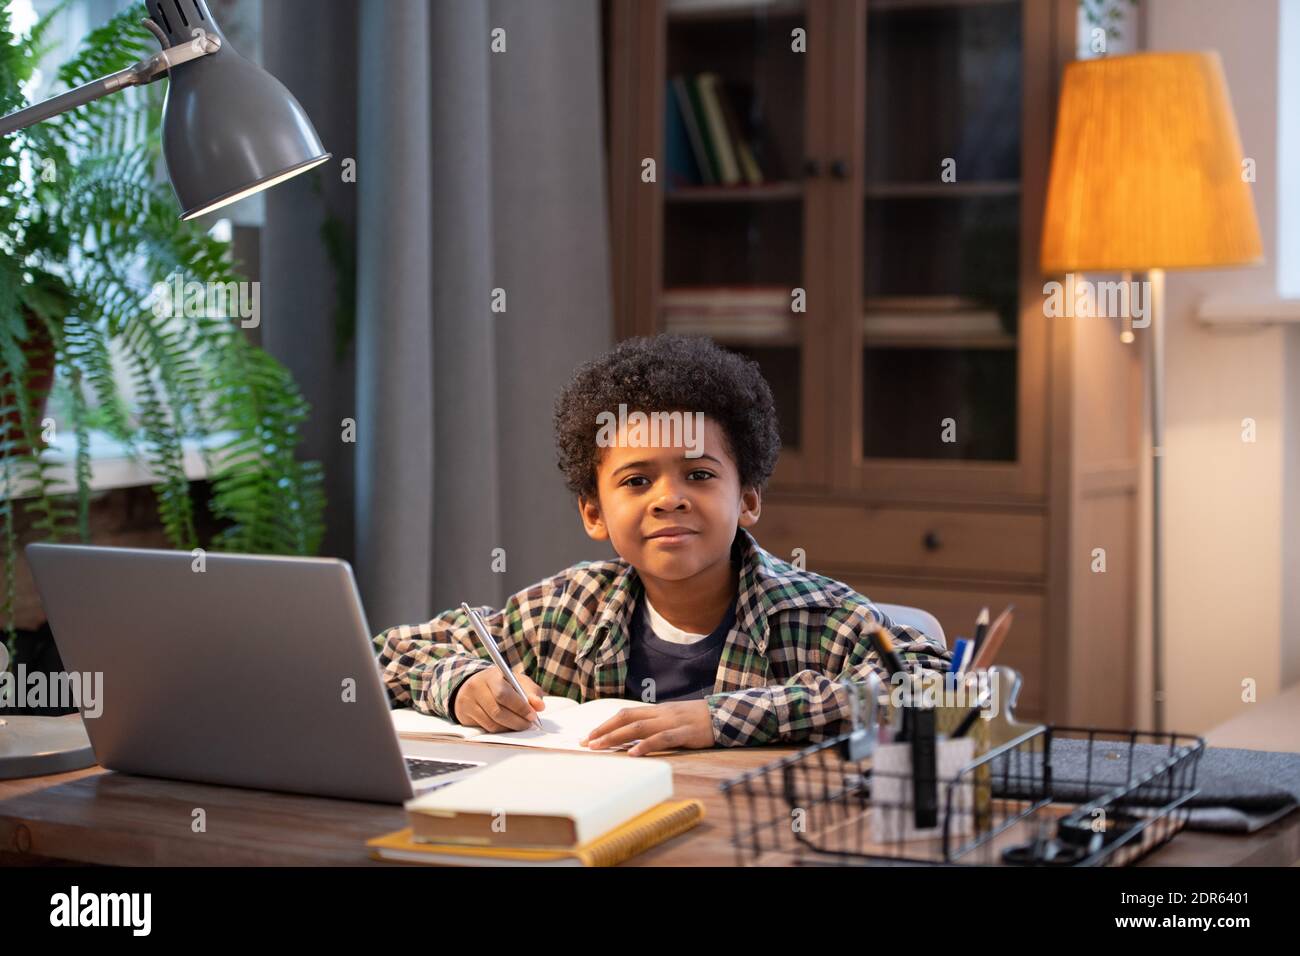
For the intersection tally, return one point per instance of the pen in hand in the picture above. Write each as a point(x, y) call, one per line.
point(485, 637)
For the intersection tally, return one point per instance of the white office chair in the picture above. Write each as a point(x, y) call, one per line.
point(923, 621)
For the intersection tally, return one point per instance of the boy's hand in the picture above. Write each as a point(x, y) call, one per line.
point(681, 723)
point(487, 700)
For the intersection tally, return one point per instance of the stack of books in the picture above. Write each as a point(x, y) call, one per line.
point(543, 810)
point(709, 140)
point(750, 314)
point(931, 319)
point(696, 6)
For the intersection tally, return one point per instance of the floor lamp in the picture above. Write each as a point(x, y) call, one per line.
point(1147, 175)
point(230, 129)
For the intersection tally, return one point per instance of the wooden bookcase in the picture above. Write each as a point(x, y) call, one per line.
point(934, 450)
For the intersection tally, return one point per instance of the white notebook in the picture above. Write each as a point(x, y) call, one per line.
point(595, 794)
point(564, 723)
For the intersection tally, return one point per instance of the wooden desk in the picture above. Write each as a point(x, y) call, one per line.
point(92, 816)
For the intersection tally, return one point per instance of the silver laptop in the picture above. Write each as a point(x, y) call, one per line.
point(244, 670)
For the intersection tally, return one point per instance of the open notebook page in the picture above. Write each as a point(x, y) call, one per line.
point(564, 723)
point(414, 725)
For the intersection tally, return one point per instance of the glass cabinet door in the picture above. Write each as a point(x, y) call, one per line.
point(936, 335)
point(736, 214)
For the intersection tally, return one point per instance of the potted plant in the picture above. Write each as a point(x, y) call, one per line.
point(89, 234)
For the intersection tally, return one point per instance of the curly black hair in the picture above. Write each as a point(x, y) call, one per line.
point(668, 373)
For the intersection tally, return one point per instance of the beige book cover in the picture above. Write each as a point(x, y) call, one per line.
point(553, 800)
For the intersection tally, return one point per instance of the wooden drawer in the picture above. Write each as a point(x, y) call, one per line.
point(981, 544)
point(956, 610)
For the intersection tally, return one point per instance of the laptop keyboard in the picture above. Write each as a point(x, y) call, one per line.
point(422, 769)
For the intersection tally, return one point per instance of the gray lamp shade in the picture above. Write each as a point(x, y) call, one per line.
point(230, 129)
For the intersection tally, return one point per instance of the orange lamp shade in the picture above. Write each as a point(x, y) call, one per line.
point(1147, 169)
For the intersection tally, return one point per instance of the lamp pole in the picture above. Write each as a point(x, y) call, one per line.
point(1156, 365)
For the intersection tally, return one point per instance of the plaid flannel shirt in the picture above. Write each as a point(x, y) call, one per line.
point(796, 636)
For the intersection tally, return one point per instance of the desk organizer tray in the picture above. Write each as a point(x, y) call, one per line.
point(1049, 796)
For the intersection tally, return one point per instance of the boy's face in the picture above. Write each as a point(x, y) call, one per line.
point(645, 492)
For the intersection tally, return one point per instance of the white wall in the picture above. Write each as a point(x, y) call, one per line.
point(1225, 579)
point(1289, 286)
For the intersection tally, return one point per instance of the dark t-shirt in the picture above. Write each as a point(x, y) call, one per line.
point(679, 671)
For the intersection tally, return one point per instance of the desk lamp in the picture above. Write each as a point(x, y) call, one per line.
point(230, 129)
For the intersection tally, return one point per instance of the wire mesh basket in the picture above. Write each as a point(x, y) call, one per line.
point(1051, 796)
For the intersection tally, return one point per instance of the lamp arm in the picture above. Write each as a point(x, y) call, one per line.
point(139, 74)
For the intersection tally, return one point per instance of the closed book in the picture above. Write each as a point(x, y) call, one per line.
point(714, 176)
point(677, 147)
point(753, 174)
point(560, 801)
point(728, 168)
point(656, 825)
point(690, 122)
point(920, 303)
point(739, 137)
point(746, 327)
point(677, 6)
point(932, 324)
point(726, 298)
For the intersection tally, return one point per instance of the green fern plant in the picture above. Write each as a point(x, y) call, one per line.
point(87, 230)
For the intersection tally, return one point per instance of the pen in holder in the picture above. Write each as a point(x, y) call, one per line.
point(911, 776)
point(1001, 685)
point(942, 723)
point(969, 717)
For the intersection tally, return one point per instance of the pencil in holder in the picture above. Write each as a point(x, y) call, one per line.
point(959, 708)
point(953, 718)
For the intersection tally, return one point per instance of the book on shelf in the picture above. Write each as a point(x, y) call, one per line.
point(716, 127)
point(675, 6)
point(710, 152)
point(749, 171)
point(932, 324)
point(748, 327)
point(920, 303)
point(726, 298)
point(709, 116)
point(679, 152)
point(680, 110)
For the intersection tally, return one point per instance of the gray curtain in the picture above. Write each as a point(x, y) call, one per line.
point(475, 171)
point(316, 57)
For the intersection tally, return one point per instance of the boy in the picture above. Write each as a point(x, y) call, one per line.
point(727, 644)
